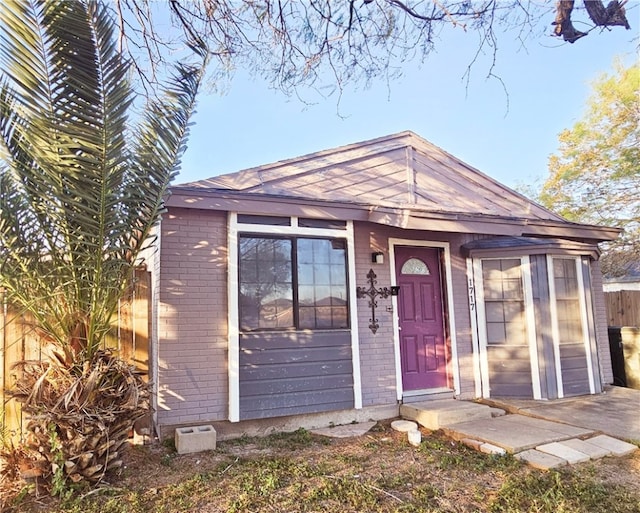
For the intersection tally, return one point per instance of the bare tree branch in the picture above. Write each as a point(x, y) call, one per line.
point(321, 43)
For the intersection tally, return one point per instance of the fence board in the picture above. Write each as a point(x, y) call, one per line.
point(20, 341)
point(623, 308)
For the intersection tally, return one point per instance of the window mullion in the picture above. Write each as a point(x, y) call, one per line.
point(294, 282)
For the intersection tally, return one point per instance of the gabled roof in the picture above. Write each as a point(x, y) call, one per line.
point(398, 171)
point(400, 180)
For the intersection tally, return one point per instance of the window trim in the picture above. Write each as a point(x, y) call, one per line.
point(233, 339)
point(555, 330)
point(481, 322)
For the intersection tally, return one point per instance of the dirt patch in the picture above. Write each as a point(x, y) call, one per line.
point(378, 472)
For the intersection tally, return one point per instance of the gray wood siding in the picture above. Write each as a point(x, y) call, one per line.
point(544, 329)
point(510, 371)
point(575, 377)
point(290, 373)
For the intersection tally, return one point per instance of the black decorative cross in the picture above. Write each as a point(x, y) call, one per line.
point(372, 293)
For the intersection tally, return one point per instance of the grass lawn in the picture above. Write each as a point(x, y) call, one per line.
point(377, 472)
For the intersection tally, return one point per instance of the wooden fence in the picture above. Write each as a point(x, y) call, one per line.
point(623, 308)
point(19, 341)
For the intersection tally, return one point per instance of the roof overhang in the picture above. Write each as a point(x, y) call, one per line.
point(408, 218)
point(517, 246)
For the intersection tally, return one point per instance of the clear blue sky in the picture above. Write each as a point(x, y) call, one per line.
point(508, 132)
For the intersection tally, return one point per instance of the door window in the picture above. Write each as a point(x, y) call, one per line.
point(415, 266)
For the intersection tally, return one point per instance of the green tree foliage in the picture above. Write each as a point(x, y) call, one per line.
point(595, 176)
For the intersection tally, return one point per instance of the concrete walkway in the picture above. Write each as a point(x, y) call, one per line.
point(515, 433)
point(546, 434)
point(616, 412)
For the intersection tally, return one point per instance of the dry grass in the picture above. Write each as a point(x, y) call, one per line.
point(378, 472)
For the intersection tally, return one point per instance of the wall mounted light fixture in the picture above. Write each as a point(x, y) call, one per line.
point(377, 257)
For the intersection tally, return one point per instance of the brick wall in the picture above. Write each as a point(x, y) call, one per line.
point(192, 318)
point(377, 360)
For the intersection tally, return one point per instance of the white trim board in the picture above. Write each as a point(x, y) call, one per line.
point(234, 229)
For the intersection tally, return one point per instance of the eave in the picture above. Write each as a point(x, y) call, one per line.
point(409, 218)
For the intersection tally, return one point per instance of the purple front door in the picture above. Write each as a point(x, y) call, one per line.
point(423, 352)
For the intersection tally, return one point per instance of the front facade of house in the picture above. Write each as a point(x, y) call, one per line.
point(354, 279)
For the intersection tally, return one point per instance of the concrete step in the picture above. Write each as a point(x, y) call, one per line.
point(443, 412)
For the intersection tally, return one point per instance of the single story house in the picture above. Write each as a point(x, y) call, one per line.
point(334, 286)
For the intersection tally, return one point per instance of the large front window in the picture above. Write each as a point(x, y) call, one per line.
point(292, 282)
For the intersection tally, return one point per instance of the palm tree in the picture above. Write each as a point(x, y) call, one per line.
point(81, 189)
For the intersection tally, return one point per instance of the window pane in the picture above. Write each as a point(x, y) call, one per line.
point(565, 280)
point(266, 293)
point(338, 274)
point(494, 311)
point(306, 295)
point(305, 273)
point(306, 317)
point(322, 223)
point(322, 282)
point(267, 280)
point(504, 302)
point(415, 266)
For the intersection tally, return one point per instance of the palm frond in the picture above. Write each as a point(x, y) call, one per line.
point(78, 201)
point(161, 143)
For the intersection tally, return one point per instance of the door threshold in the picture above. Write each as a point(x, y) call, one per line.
point(426, 391)
point(430, 394)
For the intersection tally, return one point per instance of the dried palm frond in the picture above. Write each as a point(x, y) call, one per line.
point(79, 422)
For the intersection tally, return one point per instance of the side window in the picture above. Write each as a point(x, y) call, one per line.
point(291, 282)
point(504, 302)
point(566, 285)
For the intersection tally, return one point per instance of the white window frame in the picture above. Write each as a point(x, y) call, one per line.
point(481, 324)
point(234, 229)
point(555, 330)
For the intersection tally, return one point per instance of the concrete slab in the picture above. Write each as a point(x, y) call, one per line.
point(614, 412)
point(346, 431)
point(617, 447)
point(540, 460)
point(593, 451)
point(404, 426)
point(492, 449)
point(563, 451)
point(515, 433)
point(436, 414)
